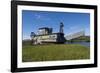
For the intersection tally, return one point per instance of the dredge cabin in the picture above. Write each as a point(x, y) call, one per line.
point(46, 35)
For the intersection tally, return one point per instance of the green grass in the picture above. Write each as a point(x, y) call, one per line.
point(54, 52)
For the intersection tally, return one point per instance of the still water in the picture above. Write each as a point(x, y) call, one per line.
point(87, 44)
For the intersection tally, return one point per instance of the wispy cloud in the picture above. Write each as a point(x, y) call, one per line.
point(76, 28)
point(41, 17)
point(73, 27)
point(38, 16)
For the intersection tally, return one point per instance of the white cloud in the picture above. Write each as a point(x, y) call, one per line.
point(41, 17)
point(38, 16)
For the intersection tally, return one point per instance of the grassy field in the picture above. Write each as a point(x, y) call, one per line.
point(54, 52)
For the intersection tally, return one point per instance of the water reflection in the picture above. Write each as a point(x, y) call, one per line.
point(87, 44)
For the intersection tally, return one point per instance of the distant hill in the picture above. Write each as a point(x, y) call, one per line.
point(81, 38)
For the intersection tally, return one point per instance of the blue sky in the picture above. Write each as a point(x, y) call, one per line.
point(73, 22)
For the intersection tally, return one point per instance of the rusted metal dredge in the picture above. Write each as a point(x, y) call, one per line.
point(45, 35)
